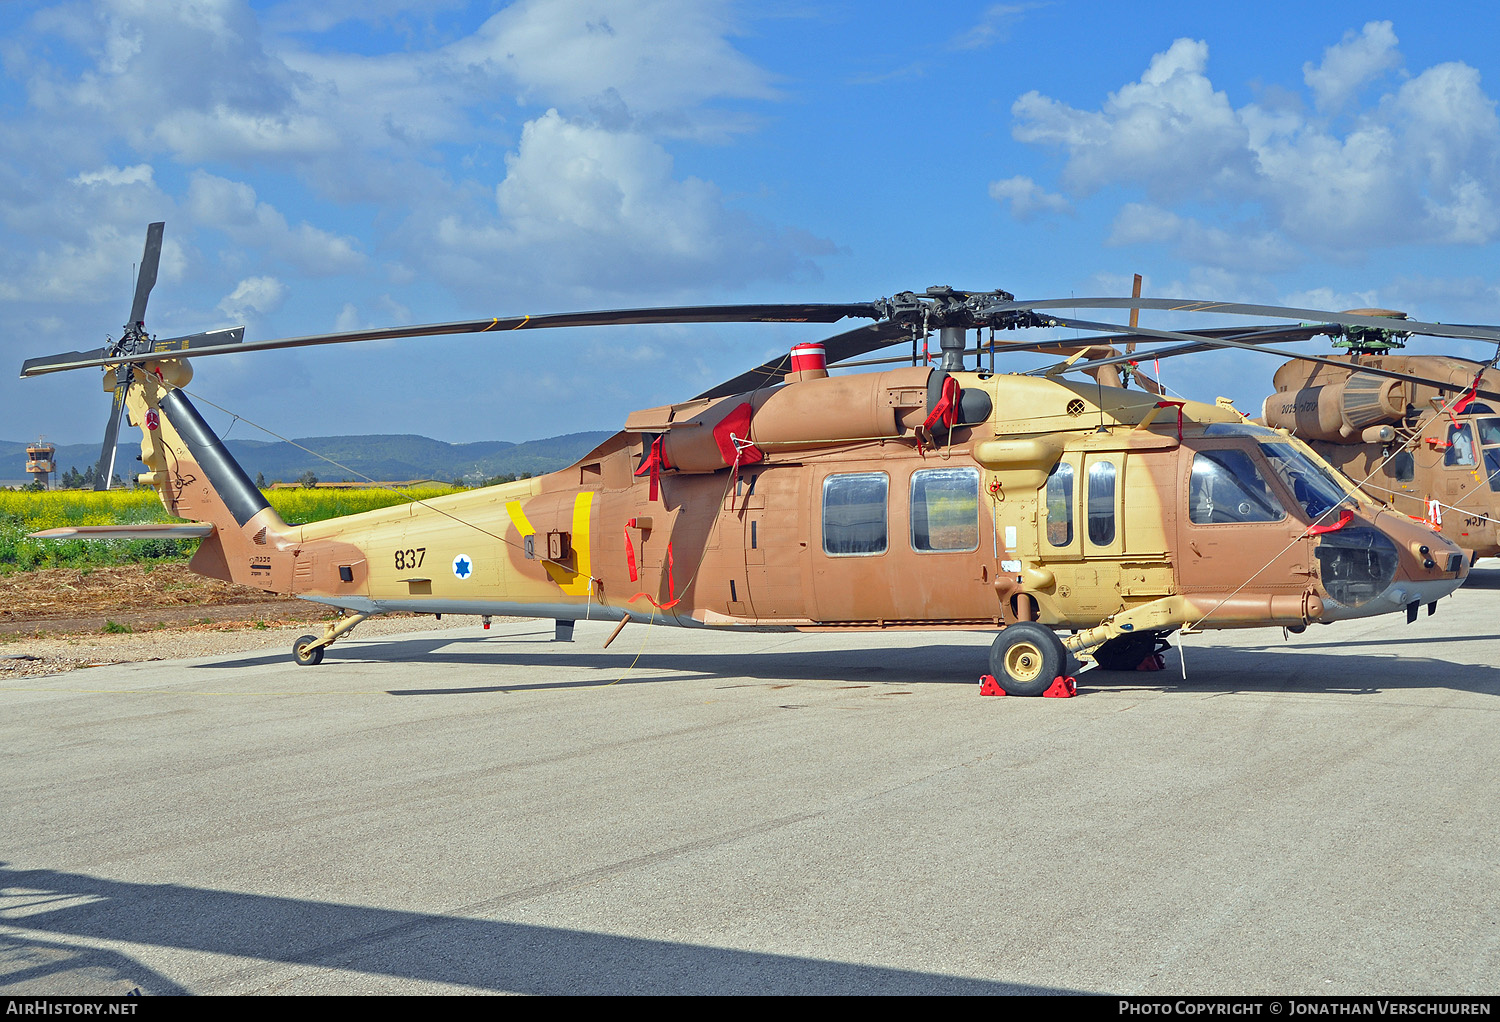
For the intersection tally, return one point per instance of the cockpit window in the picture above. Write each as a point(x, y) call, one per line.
point(1316, 490)
point(1226, 486)
point(1489, 440)
point(1460, 446)
point(1241, 429)
point(1489, 432)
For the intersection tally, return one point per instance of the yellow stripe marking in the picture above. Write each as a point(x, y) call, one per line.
point(524, 321)
point(574, 583)
point(582, 505)
point(493, 323)
point(518, 518)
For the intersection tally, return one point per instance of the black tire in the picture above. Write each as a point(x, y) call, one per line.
point(307, 657)
point(1026, 658)
point(1125, 652)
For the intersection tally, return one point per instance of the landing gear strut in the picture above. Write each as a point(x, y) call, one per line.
point(307, 651)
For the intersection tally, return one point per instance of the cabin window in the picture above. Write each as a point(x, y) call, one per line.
point(945, 509)
point(1101, 520)
point(854, 514)
point(1227, 487)
point(1060, 505)
point(1403, 466)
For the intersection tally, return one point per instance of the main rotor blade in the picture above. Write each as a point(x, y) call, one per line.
point(1477, 333)
point(106, 468)
point(1229, 342)
point(1261, 334)
point(145, 280)
point(803, 313)
point(839, 349)
point(840, 346)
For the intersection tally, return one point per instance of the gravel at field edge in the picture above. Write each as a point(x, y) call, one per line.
point(55, 654)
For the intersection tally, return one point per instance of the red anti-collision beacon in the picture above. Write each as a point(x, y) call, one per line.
point(809, 362)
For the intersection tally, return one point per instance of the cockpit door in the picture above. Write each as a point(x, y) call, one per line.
point(1236, 532)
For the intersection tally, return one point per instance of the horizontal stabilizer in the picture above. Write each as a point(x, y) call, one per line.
point(165, 530)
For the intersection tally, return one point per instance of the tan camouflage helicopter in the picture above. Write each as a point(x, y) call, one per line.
point(922, 496)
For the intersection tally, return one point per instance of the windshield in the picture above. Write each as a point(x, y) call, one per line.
point(1489, 440)
point(1316, 489)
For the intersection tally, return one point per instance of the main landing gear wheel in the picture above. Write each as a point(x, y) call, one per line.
point(1125, 652)
point(1026, 657)
point(307, 657)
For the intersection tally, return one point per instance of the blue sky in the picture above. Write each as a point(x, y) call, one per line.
point(370, 162)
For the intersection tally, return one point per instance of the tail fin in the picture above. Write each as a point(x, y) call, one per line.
point(198, 480)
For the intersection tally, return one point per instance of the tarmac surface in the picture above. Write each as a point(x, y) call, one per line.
point(709, 813)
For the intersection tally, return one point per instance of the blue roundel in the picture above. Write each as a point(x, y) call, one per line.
point(463, 567)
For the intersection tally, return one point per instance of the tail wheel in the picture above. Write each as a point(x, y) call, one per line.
point(1026, 657)
point(304, 656)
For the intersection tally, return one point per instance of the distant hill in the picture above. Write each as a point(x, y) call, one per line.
point(395, 457)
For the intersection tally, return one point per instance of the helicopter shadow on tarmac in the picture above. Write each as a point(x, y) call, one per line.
point(1480, 578)
point(485, 954)
point(932, 663)
point(1210, 669)
point(1300, 669)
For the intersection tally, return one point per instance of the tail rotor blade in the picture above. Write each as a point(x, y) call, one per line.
point(204, 339)
point(146, 279)
point(66, 360)
point(106, 468)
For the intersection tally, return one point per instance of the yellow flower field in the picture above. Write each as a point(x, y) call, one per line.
point(23, 512)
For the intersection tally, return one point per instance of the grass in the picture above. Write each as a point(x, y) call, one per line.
point(23, 512)
point(115, 628)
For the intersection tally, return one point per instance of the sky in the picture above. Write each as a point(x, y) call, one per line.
point(358, 163)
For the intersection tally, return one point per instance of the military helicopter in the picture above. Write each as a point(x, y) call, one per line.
point(921, 496)
point(1428, 449)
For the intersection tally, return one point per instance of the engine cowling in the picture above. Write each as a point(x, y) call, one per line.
point(1341, 412)
point(702, 436)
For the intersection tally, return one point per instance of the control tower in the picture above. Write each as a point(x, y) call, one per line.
point(39, 463)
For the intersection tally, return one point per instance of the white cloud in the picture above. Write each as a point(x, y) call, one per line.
point(232, 207)
point(191, 77)
point(95, 267)
point(1352, 64)
point(579, 201)
point(994, 26)
point(1170, 131)
point(1332, 300)
point(1241, 248)
point(348, 319)
point(1027, 198)
point(1421, 164)
point(329, 14)
point(139, 174)
point(254, 297)
point(655, 57)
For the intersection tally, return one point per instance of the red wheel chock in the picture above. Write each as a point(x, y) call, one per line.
point(1062, 688)
point(1154, 662)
